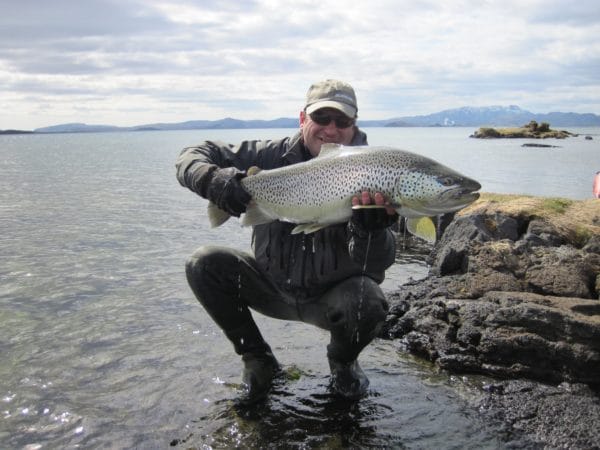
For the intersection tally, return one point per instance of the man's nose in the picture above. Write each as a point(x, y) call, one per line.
point(331, 128)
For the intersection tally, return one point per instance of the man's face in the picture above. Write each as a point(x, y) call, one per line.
point(314, 134)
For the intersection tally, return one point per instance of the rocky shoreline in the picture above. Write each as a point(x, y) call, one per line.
point(513, 293)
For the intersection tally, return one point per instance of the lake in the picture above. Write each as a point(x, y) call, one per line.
point(103, 344)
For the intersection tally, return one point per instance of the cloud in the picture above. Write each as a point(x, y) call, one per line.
point(184, 60)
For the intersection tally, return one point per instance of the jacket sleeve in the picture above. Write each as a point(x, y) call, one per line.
point(195, 165)
point(375, 251)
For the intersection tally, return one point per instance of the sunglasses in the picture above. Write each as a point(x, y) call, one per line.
point(325, 119)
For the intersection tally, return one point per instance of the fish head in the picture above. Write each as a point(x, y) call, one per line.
point(430, 188)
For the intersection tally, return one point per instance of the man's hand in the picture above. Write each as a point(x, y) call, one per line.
point(226, 191)
point(378, 199)
point(372, 213)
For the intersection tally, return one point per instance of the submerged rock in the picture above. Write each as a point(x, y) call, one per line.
point(528, 144)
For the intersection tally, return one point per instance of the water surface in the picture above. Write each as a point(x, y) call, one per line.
point(103, 344)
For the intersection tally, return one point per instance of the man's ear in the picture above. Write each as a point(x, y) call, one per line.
point(302, 117)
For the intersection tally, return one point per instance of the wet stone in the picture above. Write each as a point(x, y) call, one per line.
point(518, 301)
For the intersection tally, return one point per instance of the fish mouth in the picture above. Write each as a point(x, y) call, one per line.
point(452, 200)
point(462, 195)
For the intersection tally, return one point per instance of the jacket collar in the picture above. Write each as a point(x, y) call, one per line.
point(296, 151)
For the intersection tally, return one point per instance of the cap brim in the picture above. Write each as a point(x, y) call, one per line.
point(346, 109)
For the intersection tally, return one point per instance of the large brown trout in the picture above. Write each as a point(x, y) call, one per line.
point(318, 192)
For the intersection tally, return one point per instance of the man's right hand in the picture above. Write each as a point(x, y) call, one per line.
point(372, 219)
point(226, 191)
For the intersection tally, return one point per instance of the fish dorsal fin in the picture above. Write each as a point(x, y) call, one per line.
point(329, 148)
point(422, 227)
point(333, 150)
point(253, 170)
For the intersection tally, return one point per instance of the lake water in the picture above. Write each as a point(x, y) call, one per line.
point(103, 345)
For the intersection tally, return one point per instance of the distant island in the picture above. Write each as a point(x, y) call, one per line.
point(15, 132)
point(532, 130)
point(467, 116)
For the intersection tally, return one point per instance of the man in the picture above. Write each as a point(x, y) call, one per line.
point(328, 278)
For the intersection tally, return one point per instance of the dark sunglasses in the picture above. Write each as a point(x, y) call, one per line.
point(325, 119)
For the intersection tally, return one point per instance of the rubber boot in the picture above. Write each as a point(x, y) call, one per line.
point(260, 366)
point(257, 377)
point(348, 379)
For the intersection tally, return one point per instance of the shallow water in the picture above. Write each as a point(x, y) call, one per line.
point(103, 344)
point(407, 406)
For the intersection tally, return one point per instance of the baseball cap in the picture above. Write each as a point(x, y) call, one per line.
point(331, 94)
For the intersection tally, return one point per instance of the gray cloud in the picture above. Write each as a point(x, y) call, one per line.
point(212, 59)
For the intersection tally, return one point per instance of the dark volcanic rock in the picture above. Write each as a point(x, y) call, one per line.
point(506, 334)
point(514, 297)
point(563, 416)
point(505, 297)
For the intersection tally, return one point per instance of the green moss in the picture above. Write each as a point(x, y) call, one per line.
point(557, 205)
point(293, 373)
point(582, 235)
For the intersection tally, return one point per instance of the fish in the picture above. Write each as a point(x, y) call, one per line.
point(318, 193)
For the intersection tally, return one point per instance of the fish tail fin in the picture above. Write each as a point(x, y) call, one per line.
point(422, 227)
point(216, 215)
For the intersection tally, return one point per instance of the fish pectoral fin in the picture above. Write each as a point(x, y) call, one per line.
point(216, 216)
point(255, 216)
point(308, 228)
point(422, 227)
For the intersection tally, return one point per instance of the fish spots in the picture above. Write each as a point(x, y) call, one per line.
point(320, 190)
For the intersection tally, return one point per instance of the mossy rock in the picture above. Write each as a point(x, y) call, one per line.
point(530, 131)
point(578, 220)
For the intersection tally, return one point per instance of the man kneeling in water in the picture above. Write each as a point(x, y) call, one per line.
point(332, 283)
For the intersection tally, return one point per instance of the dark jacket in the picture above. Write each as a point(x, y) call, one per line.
point(305, 265)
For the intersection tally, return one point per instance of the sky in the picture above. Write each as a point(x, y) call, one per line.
point(134, 62)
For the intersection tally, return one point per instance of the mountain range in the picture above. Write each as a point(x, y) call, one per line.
point(459, 117)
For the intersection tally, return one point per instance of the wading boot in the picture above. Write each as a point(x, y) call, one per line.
point(257, 377)
point(348, 379)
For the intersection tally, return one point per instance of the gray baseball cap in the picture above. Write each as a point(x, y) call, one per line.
point(331, 94)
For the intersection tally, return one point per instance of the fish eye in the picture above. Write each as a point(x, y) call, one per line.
point(447, 181)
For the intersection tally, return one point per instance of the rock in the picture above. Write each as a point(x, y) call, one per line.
point(530, 131)
point(506, 334)
point(451, 254)
point(513, 293)
point(509, 295)
point(539, 145)
point(563, 416)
